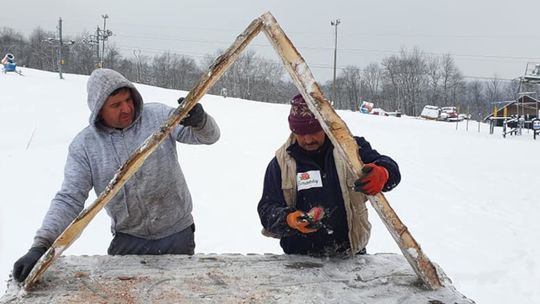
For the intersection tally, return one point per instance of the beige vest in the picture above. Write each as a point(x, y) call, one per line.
point(355, 202)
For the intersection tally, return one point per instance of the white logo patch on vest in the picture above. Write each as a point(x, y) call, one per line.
point(307, 180)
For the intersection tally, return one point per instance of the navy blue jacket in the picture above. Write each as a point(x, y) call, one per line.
point(333, 237)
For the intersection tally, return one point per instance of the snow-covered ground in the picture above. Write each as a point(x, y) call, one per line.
point(467, 197)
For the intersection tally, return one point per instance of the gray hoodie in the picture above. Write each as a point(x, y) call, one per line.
point(155, 202)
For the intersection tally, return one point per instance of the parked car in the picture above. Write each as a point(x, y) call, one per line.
point(378, 111)
point(464, 116)
point(449, 113)
point(366, 107)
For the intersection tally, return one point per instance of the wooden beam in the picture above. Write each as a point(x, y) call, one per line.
point(134, 162)
point(343, 141)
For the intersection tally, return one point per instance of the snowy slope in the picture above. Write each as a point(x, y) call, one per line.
point(469, 198)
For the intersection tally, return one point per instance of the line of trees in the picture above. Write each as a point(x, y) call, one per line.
point(410, 80)
point(405, 82)
point(251, 76)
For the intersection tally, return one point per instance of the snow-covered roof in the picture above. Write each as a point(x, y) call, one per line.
point(524, 101)
point(232, 278)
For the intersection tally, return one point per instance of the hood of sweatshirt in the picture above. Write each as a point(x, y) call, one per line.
point(101, 84)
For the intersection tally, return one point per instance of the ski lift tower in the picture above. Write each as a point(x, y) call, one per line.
point(530, 79)
point(532, 73)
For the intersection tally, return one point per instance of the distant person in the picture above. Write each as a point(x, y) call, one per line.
point(151, 214)
point(224, 92)
point(310, 200)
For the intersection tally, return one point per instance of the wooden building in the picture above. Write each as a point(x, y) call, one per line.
point(525, 106)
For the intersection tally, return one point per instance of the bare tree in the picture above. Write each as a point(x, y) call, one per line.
point(267, 82)
point(236, 80)
point(451, 80)
point(494, 90)
point(392, 83)
point(43, 55)
point(80, 57)
point(161, 70)
point(13, 42)
point(351, 78)
point(372, 75)
point(173, 71)
point(434, 77)
point(407, 75)
point(512, 88)
point(112, 57)
point(478, 108)
point(255, 78)
point(141, 69)
point(458, 90)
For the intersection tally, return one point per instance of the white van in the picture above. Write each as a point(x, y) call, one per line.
point(430, 112)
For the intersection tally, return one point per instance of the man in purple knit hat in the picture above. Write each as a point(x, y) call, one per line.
point(310, 200)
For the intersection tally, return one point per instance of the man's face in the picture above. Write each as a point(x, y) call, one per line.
point(118, 111)
point(312, 141)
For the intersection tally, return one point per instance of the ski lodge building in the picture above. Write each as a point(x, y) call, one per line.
point(525, 105)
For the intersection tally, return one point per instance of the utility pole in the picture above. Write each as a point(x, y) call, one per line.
point(101, 36)
point(105, 34)
point(334, 23)
point(60, 59)
point(98, 38)
point(60, 45)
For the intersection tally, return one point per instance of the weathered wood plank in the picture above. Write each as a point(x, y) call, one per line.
point(343, 141)
point(228, 278)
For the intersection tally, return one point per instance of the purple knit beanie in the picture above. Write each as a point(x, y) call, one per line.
point(301, 120)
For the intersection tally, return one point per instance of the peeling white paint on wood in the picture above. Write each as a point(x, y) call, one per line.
point(232, 278)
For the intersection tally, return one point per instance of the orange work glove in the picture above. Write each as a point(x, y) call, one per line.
point(374, 180)
point(306, 222)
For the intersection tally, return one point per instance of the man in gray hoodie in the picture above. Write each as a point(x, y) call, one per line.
point(151, 214)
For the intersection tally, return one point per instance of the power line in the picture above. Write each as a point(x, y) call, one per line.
point(446, 36)
point(344, 33)
point(361, 50)
point(312, 66)
point(102, 35)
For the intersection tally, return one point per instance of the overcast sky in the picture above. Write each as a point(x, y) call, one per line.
point(485, 38)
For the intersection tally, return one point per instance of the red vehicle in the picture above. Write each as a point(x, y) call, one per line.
point(449, 113)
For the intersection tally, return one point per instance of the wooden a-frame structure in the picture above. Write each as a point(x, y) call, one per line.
point(333, 125)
